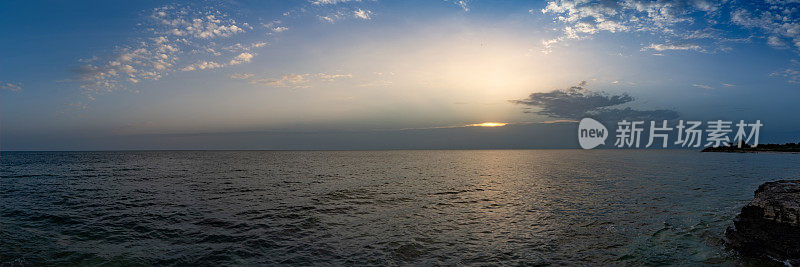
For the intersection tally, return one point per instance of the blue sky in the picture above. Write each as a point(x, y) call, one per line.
point(333, 73)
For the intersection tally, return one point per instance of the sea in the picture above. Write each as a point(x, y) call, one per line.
point(397, 207)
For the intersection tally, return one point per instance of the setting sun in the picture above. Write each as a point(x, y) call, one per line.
point(487, 124)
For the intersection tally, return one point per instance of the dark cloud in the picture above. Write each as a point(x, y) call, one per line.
point(578, 102)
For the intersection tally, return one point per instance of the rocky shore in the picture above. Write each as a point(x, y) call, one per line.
point(769, 226)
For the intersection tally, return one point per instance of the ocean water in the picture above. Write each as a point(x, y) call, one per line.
point(505, 207)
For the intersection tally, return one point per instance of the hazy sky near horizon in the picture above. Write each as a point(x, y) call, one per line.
point(110, 74)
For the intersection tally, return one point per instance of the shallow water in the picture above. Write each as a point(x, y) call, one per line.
point(620, 207)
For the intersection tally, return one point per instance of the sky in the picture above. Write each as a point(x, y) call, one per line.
point(348, 74)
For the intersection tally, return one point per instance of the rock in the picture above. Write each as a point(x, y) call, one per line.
point(769, 226)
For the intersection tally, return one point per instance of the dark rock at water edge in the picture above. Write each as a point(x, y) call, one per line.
point(769, 226)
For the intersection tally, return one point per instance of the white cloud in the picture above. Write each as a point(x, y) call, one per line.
point(176, 39)
point(328, 19)
point(293, 80)
point(332, 77)
point(241, 58)
point(241, 76)
point(238, 47)
point(665, 47)
point(702, 86)
point(287, 80)
point(333, 17)
point(665, 20)
point(280, 29)
point(203, 65)
point(793, 75)
point(776, 42)
point(332, 2)
point(10, 86)
point(376, 83)
point(779, 22)
point(362, 14)
point(462, 4)
point(197, 25)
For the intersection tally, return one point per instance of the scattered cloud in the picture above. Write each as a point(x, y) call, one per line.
point(376, 83)
point(777, 42)
point(177, 38)
point(332, 77)
point(203, 65)
point(274, 27)
point(238, 47)
point(342, 14)
point(577, 102)
point(292, 80)
point(331, 2)
point(332, 17)
point(241, 58)
point(287, 80)
point(15, 87)
point(362, 14)
point(702, 86)
point(793, 75)
point(778, 19)
point(241, 76)
point(665, 47)
point(674, 20)
point(679, 25)
point(728, 85)
point(463, 4)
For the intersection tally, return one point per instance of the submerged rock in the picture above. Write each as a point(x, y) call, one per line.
point(769, 226)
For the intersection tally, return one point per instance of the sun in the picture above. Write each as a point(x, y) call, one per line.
point(487, 124)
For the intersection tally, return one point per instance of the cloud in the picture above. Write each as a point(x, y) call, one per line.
point(331, 2)
point(203, 65)
point(577, 102)
point(176, 38)
point(274, 27)
point(292, 80)
point(376, 83)
point(362, 14)
point(208, 26)
point(241, 58)
point(674, 20)
point(702, 86)
point(332, 17)
point(332, 77)
point(463, 4)
point(241, 76)
point(581, 19)
point(665, 47)
point(287, 80)
point(793, 75)
point(238, 47)
point(15, 87)
point(678, 25)
point(777, 42)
